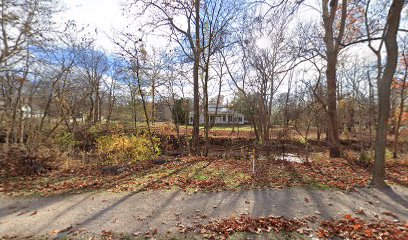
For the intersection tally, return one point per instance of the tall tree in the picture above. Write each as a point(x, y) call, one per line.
point(401, 87)
point(197, 51)
point(215, 25)
point(94, 66)
point(24, 27)
point(333, 36)
point(186, 32)
point(384, 90)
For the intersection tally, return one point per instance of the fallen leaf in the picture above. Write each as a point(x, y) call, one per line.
point(390, 214)
point(154, 232)
point(348, 217)
point(360, 211)
point(66, 229)
point(21, 213)
point(368, 232)
point(53, 232)
point(321, 234)
point(136, 234)
point(357, 226)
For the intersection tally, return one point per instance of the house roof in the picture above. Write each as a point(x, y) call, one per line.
point(221, 110)
point(213, 109)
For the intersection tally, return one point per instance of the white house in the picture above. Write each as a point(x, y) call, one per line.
point(224, 115)
point(29, 113)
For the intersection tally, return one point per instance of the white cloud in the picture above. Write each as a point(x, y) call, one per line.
point(103, 15)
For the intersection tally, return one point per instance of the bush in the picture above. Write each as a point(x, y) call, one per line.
point(388, 153)
point(86, 136)
point(365, 158)
point(119, 149)
point(65, 141)
point(21, 162)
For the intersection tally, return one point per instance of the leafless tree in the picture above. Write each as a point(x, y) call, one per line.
point(384, 90)
point(401, 86)
point(188, 31)
point(24, 26)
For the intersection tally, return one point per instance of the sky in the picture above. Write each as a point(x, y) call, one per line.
point(103, 15)
point(106, 16)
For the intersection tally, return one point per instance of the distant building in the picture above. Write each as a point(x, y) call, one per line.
point(26, 111)
point(29, 113)
point(163, 111)
point(222, 115)
point(79, 118)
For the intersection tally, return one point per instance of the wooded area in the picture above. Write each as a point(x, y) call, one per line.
point(308, 94)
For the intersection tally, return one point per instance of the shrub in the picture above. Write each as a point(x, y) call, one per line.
point(388, 154)
point(119, 149)
point(365, 158)
point(65, 140)
point(21, 162)
point(87, 136)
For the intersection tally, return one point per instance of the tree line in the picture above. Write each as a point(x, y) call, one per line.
point(281, 67)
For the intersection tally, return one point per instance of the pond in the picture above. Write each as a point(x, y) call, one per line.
point(291, 157)
point(288, 157)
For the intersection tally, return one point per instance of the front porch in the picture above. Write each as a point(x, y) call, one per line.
point(221, 118)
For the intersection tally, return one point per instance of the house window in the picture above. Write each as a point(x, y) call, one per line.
point(224, 118)
point(191, 119)
point(211, 118)
point(240, 119)
point(229, 118)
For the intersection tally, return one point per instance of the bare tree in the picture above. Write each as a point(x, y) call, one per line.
point(401, 86)
point(153, 71)
point(186, 32)
point(24, 24)
point(215, 26)
point(94, 65)
point(332, 43)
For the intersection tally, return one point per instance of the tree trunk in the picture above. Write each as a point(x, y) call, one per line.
point(332, 125)
point(197, 51)
point(401, 110)
point(144, 107)
point(332, 43)
point(111, 103)
point(153, 118)
point(97, 115)
point(384, 91)
point(371, 109)
point(206, 115)
point(134, 108)
point(205, 92)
